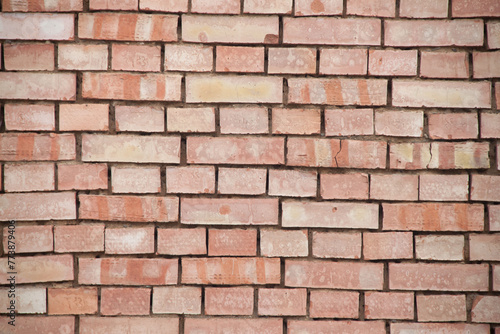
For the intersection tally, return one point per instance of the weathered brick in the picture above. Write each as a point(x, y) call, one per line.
point(83, 117)
point(296, 121)
point(36, 324)
point(243, 120)
point(240, 59)
point(233, 325)
point(233, 242)
point(387, 245)
point(490, 125)
point(292, 60)
point(268, 7)
point(399, 123)
point(28, 57)
point(333, 304)
point(439, 247)
point(33, 177)
point(276, 301)
point(441, 308)
point(128, 240)
point(486, 309)
point(42, 206)
point(493, 32)
point(393, 62)
point(463, 8)
point(72, 300)
point(444, 65)
point(82, 176)
point(191, 179)
point(423, 8)
point(190, 119)
point(32, 146)
point(276, 243)
point(28, 239)
point(143, 58)
point(443, 187)
point(331, 327)
point(244, 181)
point(188, 57)
point(394, 187)
point(37, 86)
point(343, 61)
point(292, 183)
point(453, 126)
point(83, 57)
point(113, 5)
point(40, 268)
point(125, 301)
point(348, 122)
point(177, 299)
point(143, 118)
point(215, 6)
point(182, 241)
point(485, 188)
point(384, 8)
point(164, 5)
point(229, 301)
point(315, 7)
point(448, 328)
point(42, 5)
point(343, 245)
point(107, 325)
point(29, 117)
point(37, 26)
point(79, 238)
point(389, 305)
point(486, 64)
point(135, 179)
point(484, 247)
point(28, 300)
point(494, 215)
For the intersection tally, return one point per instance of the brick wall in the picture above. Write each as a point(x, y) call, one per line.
point(227, 166)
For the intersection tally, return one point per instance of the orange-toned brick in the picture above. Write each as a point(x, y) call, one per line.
point(443, 187)
point(276, 301)
point(439, 247)
point(125, 301)
point(401, 328)
point(389, 305)
point(318, 7)
point(82, 176)
point(484, 247)
point(229, 301)
point(190, 119)
point(164, 5)
point(343, 61)
point(28, 239)
point(28, 300)
point(32, 146)
point(486, 309)
point(36, 324)
point(182, 241)
point(233, 242)
point(394, 187)
point(334, 304)
point(387, 245)
point(243, 120)
point(453, 126)
point(292, 60)
point(143, 58)
point(486, 64)
point(348, 122)
point(239, 59)
point(233, 325)
point(310, 327)
point(343, 245)
point(83, 117)
point(28, 57)
point(106, 325)
point(42, 6)
point(143, 118)
point(29, 117)
point(444, 64)
point(249, 181)
point(37, 26)
point(423, 8)
point(268, 7)
point(37, 86)
point(384, 8)
point(344, 186)
point(464, 8)
point(441, 308)
point(72, 300)
point(296, 121)
point(276, 243)
point(40, 268)
point(490, 125)
point(393, 62)
point(485, 188)
point(215, 6)
point(84, 57)
point(135, 179)
point(292, 183)
point(33, 177)
point(188, 57)
point(42, 206)
point(128, 240)
point(79, 238)
point(177, 299)
point(114, 5)
point(191, 180)
point(399, 123)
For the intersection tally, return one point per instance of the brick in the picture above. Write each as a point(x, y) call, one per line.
point(125, 301)
point(131, 86)
point(177, 241)
point(490, 125)
point(230, 29)
point(143, 58)
point(230, 271)
point(190, 119)
point(462, 8)
point(279, 302)
point(83, 117)
point(394, 187)
point(434, 33)
point(296, 121)
point(29, 57)
point(428, 328)
point(364, 92)
point(37, 26)
point(292, 60)
point(128, 240)
point(42, 6)
point(127, 27)
point(444, 65)
point(40, 268)
point(486, 309)
point(485, 188)
point(36, 324)
point(329, 215)
point(29, 239)
point(32, 177)
point(443, 187)
point(389, 305)
point(43, 206)
point(453, 126)
point(334, 304)
point(438, 277)
point(269, 7)
point(384, 8)
point(343, 245)
point(441, 308)
point(334, 275)
point(82, 176)
point(135, 179)
point(493, 33)
point(423, 8)
point(113, 5)
point(193, 58)
point(276, 243)
point(229, 301)
point(164, 5)
point(496, 278)
point(233, 325)
point(37, 86)
point(486, 64)
point(494, 216)
point(393, 62)
point(177, 299)
point(29, 117)
point(191, 180)
point(246, 59)
point(348, 122)
point(292, 183)
point(127, 271)
point(343, 61)
point(86, 57)
point(387, 245)
point(143, 119)
point(331, 327)
point(439, 247)
point(115, 325)
point(315, 7)
point(243, 120)
point(129, 208)
point(79, 238)
point(484, 247)
point(131, 148)
point(28, 300)
point(233, 89)
point(433, 217)
point(232, 242)
point(72, 300)
point(346, 31)
point(244, 181)
point(32, 146)
point(215, 6)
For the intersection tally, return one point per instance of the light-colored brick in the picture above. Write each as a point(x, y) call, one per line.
point(348, 122)
point(292, 183)
point(493, 32)
point(335, 326)
point(448, 328)
point(243, 120)
point(443, 187)
point(484, 247)
point(389, 305)
point(38, 86)
point(494, 215)
point(84, 117)
point(240, 59)
point(182, 241)
point(175, 299)
point(233, 325)
point(28, 57)
point(439, 247)
point(28, 300)
point(393, 62)
point(28, 239)
point(486, 309)
point(37, 26)
point(143, 58)
point(244, 181)
point(42, 206)
point(318, 8)
point(394, 187)
point(143, 119)
point(113, 5)
point(82, 176)
point(233, 242)
point(32, 177)
point(463, 8)
point(107, 325)
point(490, 125)
point(279, 302)
point(441, 308)
point(387, 245)
point(485, 188)
point(164, 5)
point(37, 324)
point(453, 126)
point(83, 57)
point(188, 57)
point(128, 240)
point(42, 6)
point(334, 304)
point(343, 61)
point(292, 60)
point(384, 8)
point(190, 119)
point(229, 301)
point(423, 8)
point(29, 117)
point(268, 7)
point(486, 64)
point(191, 180)
point(399, 123)
point(79, 238)
point(31, 146)
point(40, 268)
point(343, 245)
point(135, 179)
point(296, 121)
point(215, 6)
point(276, 243)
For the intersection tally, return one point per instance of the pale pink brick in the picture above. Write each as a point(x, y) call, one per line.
point(215, 6)
point(296, 121)
point(143, 58)
point(83, 117)
point(72, 300)
point(334, 304)
point(83, 57)
point(229, 301)
point(439, 247)
point(494, 213)
point(31, 177)
point(130, 240)
point(463, 8)
point(441, 308)
point(42, 6)
point(281, 302)
point(292, 60)
point(389, 305)
point(318, 7)
point(28, 300)
point(29, 117)
point(37, 26)
point(268, 7)
point(453, 126)
point(177, 299)
point(240, 59)
point(135, 179)
point(79, 238)
point(394, 187)
point(28, 239)
point(190, 119)
point(181, 241)
point(28, 57)
point(496, 278)
point(387, 245)
point(38, 86)
point(38, 206)
point(243, 120)
point(484, 247)
point(125, 301)
point(399, 123)
point(106, 325)
point(423, 8)
point(393, 62)
point(233, 325)
point(113, 5)
point(164, 5)
point(343, 61)
point(486, 309)
point(40, 268)
point(486, 64)
point(485, 188)
point(143, 118)
point(82, 176)
point(384, 8)
point(276, 243)
point(444, 65)
point(191, 180)
point(348, 122)
point(490, 125)
point(292, 183)
point(343, 245)
point(444, 187)
point(493, 32)
point(249, 181)
point(194, 58)
point(336, 326)
point(234, 242)
point(448, 328)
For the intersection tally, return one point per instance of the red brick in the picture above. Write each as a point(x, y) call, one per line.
point(439, 247)
point(486, 64)
point(190, 119)
point(143, 58)
point(72, 300)
point(444, 65)
point(399, 123)
point(32, 177)
point(278, 243)
point(192, 179)
point(428, 328)
point(329, 215)
point(37, 86)
point(109, 26)
point(233, 242)
point(389, 305)
point(490, 125)
point(29, 117)
point(29, 239)
point(82, 176)
point(29, 57)
point(79, 238)
point(433, 217)
point(114, 5)
point(484, 247)
point(486, 309)
point(394, 187)
point(135, 179)
point(387, 245)
point(32, 146)
point(292, 183)
point(343, 61)
point(348, 122)
point(28, 300)
point(164, 5)
point(485, 188)
point(296, 121)
point(177, 299)
point(230, 271)
point(441, 308)
point(129, 208)
point(292, 60)
point(453, 126)
point(444, 187)
point(129, 240)
point(233, 325)
point(240, 59)
point(40, 268)
point(84, 57)
point(434, 33)
point(463, 8)
point(245, 181)
point(334, 304)
point(493, 32)
point(37, 26)
point(343, 245)
point(188, 57)
point(177, 241)
point(365, 92)
point(276, 301)
point(229, 301)
point(268, 7)
point(439, 277)
point(334, 275)
point(125, 301)
point(34, 324)
point(42, 6)
point(331, 31)
point(332, 327)
point(131, 148)
point(494, 215)
point(43, 206)
point(384, 8)
point(344, 186)
point(131, 86)
point(423, 8)
point(83, 117)
point(215, 6)
point(143, 118)
point(107, 325)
